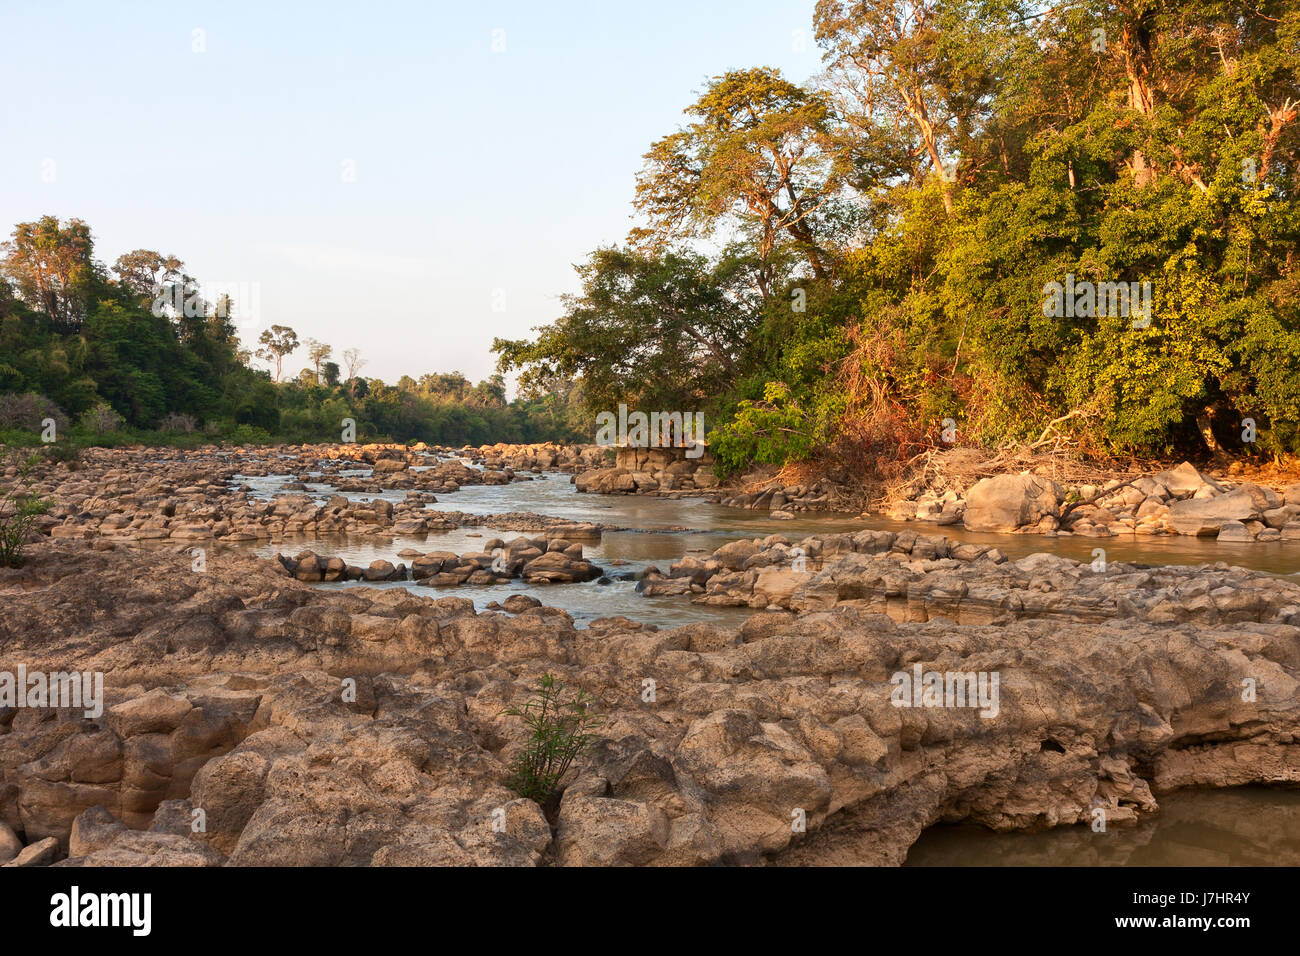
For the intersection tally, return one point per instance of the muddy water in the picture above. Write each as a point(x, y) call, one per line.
point(1258, 826)
point(663, 530)
point(1249, 826)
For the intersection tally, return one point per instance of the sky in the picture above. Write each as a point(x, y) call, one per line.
point(409, 179)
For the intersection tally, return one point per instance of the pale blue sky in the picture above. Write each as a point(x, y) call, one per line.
point(480, 176)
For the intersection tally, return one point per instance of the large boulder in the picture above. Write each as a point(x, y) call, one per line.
point(598, 481)
point(1008, 502)
point(1183, 480)
point(1207, 516)
point(555, 567)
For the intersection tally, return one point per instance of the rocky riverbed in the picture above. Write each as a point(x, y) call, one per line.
point(155, 494)
point(254, 713)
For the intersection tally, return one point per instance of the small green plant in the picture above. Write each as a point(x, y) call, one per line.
point(558, 734)
point(18, 514)
point(250, 435)
point(68, 452)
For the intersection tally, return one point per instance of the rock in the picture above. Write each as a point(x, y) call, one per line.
point(137, 848)
point(1278, 517)
point(734, 554)
point(1008, 502)
point(1265, 499)
point(555, 567)
point(600, 831)
point(1206, 516)
point(42, 853)
point(518, 603)
point(380, 571)
point(93, 830)
point(1235, 531)
point(367, 726)
point(155, 712)
point(10, 845)
point(1183, 480)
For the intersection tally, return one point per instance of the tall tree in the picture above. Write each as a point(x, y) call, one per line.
point(277, 342)
point(922, 69)
point(756, 158)
point(148, 273)
point(51, 266)
point(318, 352)
point(353, 361)
point(667, 331)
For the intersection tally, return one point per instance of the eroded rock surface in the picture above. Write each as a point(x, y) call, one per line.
point(366, 726)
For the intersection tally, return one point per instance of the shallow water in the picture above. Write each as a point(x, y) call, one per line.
point(663, 530)
point(1246, 826)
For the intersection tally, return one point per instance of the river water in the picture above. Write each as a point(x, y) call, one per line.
point(663, 530)
point(1247, 826)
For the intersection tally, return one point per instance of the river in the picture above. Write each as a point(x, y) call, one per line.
point(655, 536)
point(1246, 826)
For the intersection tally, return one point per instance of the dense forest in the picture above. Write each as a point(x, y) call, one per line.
point(855, 266)
point(133, 353)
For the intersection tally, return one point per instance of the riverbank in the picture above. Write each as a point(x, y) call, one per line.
point(314, 709)
point(213, 492)
point(227, 692)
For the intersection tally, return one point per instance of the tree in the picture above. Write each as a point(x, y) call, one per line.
point(353, 361)
point(330, 370)
point(923, 69)
point(318, 352)
point(148, 274)
point(52, 268)
point(277, 342)
point(757, 158)
point(665, 331)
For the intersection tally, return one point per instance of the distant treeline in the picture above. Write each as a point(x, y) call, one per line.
point(129, 353)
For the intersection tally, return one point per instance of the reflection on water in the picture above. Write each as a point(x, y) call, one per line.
point(663, 530)
point(1248, 826)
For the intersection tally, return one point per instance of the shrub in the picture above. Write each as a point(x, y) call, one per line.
point(178, 424)
point(29, 412)
point(102, 419)
point(18, 514)
point(68, 452)
point(250, 435)
point(775, 430)
point(558, 734)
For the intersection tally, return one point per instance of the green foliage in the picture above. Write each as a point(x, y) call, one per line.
point(63, 451)
point(101, 420)
point(774, 429)
point(140, 358)
point(557, 733)
point(960, 157)
point(888, 232)
point(18, 514)
point(249, 435)
point(663, 331)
